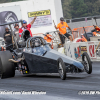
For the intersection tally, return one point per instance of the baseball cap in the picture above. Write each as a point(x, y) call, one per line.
point(62, 19)
point(24, 21)
point(16, 25)
point(6, 28)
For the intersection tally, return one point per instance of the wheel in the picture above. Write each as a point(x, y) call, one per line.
point(7, 69)
point(87, 63)
point(61, 69)
point(5, 17)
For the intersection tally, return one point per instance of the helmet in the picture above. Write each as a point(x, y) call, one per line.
point(36, 43)
point(24, 22)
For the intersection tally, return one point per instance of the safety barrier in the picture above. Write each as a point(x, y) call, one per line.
point(75, 50)
point(77, 32)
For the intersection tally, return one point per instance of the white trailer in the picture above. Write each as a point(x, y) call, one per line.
point(45, 10)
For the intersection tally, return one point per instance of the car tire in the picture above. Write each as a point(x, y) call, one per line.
point(6, 16)
point(61, 68)
point(87, 63)
point(7, 69)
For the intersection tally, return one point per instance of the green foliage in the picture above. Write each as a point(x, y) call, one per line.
point(93, 7)
point(4, 1)
point(80, 8)
point(66, 8)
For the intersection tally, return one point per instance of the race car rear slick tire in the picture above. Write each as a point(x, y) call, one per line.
point(61, 69)
point(7, 68)
point(87, 62)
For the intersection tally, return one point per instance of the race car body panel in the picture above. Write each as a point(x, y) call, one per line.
point(47, 62)
point(39, 64)
point(55, 55)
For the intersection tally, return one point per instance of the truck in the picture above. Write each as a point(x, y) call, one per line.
point(45, 10)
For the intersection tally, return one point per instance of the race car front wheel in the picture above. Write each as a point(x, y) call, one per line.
point(87, 63)
point(61, 69)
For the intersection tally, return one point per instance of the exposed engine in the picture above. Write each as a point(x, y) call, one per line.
point(25, 35)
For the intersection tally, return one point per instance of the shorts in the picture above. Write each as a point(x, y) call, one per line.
point(62, 38)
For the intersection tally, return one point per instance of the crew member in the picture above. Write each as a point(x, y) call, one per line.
point(26, 27)
point(7, 38)
point(49, 39)
point(62, 28)
point(16, 32)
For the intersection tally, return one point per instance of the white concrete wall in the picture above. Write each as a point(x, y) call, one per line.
point(37, 5)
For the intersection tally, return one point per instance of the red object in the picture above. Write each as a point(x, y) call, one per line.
point(78, 51)
point(2, 49)
point(97, 28)
point(91, 50)
point(79, 40)
point(27, 28)
point(48, 38)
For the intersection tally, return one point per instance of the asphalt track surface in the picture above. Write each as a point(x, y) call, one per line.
point(55, 88)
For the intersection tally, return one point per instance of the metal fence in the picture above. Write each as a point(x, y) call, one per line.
point(83, 21)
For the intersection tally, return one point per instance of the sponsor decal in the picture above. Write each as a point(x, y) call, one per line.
point(78, 51)
point(83, 49)
point(69, 51)
point(92, 50)
point(39, 13)
point(43, 18)
point(97, 51)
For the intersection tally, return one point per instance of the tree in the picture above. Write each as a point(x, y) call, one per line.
point(78, 8)
point(93, 7)
point(66, 8)
point(4, 1)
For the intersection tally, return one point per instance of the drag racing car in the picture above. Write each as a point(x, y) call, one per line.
point(38, 57)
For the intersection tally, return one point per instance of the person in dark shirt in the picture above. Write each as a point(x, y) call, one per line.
point(7, 37)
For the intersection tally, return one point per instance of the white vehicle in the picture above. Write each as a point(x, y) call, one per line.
point(45, 10)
